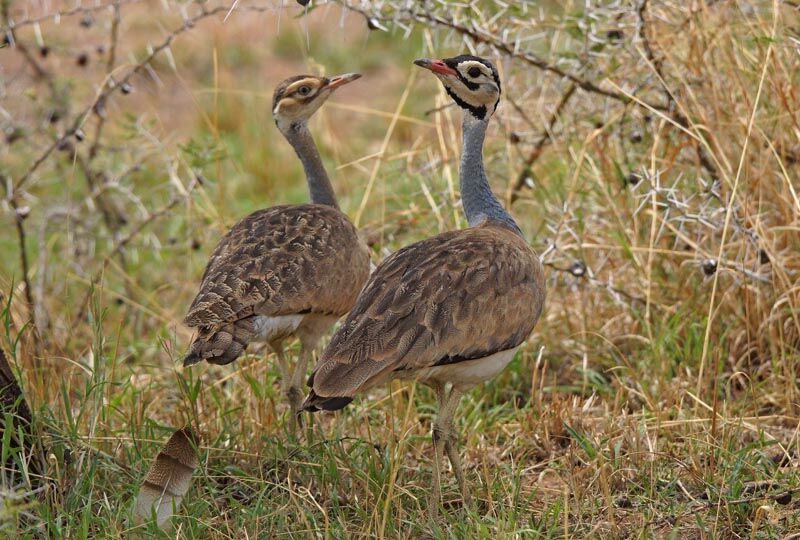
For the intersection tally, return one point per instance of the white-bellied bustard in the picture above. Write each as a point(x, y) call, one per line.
point(286, 271)
point(449, 311)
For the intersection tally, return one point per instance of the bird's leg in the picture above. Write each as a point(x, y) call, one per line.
point(440, 444)
point(294, 389)
point(441, 396)
point(451, 448)
point(287, 377)
point(438, 451)
point(444, 440)
point(283, 366)
point(310, 351)
point(451, 441)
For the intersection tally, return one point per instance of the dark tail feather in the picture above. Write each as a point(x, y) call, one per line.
point(314, 403)
point(220, 345)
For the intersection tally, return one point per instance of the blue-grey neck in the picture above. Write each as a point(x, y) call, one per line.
point(480, 204)
point(319, 185)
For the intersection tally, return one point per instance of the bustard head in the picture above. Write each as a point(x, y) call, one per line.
point(297, 98)
point(471, 81)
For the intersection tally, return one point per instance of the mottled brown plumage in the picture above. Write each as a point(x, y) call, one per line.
point(461, 295)
point(286, 271)
point(286, 260)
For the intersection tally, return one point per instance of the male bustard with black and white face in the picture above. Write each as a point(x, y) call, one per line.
point(286, 271)
point(451, 310)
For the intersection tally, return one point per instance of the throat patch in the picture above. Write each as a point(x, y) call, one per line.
point(477, 112)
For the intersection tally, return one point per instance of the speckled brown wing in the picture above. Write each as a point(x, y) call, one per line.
point(457, 296)
point(284, 260)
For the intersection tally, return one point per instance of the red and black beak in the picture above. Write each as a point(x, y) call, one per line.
point(435, 66)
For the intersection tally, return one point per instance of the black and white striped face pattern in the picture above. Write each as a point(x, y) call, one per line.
point(297, 98)
point(471, 81)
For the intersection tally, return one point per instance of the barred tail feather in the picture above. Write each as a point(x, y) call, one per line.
point(221, 345)
point(169, 478)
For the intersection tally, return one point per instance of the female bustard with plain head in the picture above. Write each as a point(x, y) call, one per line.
point(284, 271)
point(448, 311)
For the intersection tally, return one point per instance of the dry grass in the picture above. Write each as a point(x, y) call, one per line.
point(651, 153)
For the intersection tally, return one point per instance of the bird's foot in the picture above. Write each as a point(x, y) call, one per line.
point(295, 398)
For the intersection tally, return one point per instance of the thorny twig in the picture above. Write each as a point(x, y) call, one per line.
point(133, 233)
point(109, 90)
point(595, 282)
point(112, 219)
point(19, 217)
point(657, 63)
point(21, 213)
point(77, 10)
point(112, 56)
point(482, 36)
point(15, 188)
point(544, 138)
point(666, 199)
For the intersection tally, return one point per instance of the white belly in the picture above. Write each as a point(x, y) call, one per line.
point(466, 374)
point(281, 326)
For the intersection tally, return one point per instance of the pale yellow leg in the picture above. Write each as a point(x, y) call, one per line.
point(444, 440)
point(283, 366)
point(438, 453)
point(292, 394)
point(295, 389)
point(451, 447)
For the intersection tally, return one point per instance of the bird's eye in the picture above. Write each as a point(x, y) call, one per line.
point(474, 72)
point(304, 90)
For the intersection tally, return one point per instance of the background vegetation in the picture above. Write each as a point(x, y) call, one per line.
point(650, 151)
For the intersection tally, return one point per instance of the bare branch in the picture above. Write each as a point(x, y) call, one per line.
point(109, 90)
point(544, 138)
point(480, 36)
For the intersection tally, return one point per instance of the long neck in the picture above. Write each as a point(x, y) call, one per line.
point(479, 202)
point(319, 185)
